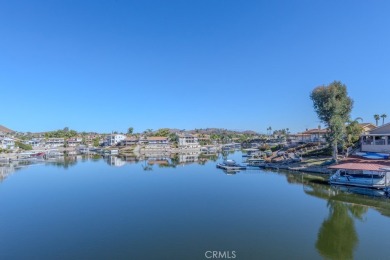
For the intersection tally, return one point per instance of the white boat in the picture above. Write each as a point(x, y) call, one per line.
point(363, 176)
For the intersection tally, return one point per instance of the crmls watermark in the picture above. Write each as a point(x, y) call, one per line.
point(220, 254)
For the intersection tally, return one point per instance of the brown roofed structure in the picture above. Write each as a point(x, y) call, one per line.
point(359, 166)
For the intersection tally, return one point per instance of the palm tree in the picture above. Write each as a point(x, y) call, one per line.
point(383, 118)
point(270, 130)
point(358, 118)
point(376, 117)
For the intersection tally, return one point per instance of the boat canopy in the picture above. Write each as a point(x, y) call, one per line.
point(361, 166)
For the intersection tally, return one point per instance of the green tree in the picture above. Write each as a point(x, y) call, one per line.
point(162, 132)
point(23, 146)
point(148, 132)
point(383, 118)
point(130, 130)
point(376, 117)
point(96, 142)
point(174, 139)
point(333, 107)
point(353, 132)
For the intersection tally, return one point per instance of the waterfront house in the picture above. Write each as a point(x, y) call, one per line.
point(35, 142)
point(7, 143)
point(75, 141)
point(315, 135)
point(143, 140)
point(188, 141)
point(89, 139)
point(157, 142)
point(299, 138)
point(129, 141)
point(367, 127)
point(55, 142)
point(203, 139)
point(114, 139)
point(377, 140)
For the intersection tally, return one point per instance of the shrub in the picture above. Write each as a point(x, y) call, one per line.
point(23, 146)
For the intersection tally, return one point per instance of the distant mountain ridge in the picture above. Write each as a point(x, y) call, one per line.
point(5, 130)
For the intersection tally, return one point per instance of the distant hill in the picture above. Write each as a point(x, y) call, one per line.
point(210, 131)
point(5, 130)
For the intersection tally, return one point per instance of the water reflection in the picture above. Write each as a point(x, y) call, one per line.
point(114, 161)
point(64, 161)
point(352, 196)
point(337, 236)
point(6, 170)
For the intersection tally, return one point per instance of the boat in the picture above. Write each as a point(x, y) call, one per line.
point(230, 165)
point(256, 162)
point(361, 175)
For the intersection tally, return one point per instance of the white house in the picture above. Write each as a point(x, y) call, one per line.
point(188, 141)
point(55, 142)
point(114, 139)
point(377, 140)
point(75, 141)
point(7, 143)
point(35, 142)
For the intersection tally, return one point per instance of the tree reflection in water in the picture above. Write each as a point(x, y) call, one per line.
point(337, 237)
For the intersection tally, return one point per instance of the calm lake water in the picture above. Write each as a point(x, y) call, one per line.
point(92, 209)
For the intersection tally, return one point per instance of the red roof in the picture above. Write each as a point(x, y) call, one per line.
point(359, 166)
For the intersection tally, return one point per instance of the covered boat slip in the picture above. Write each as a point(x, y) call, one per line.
point(361, 175)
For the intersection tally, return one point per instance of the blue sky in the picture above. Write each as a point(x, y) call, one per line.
point(107, 65)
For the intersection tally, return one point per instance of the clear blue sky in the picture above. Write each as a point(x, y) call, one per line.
point(107, 65)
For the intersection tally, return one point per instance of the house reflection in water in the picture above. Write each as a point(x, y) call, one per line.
point(115, 161)
point(6, 170)
point(187, 158)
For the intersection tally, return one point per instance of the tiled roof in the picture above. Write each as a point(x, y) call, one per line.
point(367, 124)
